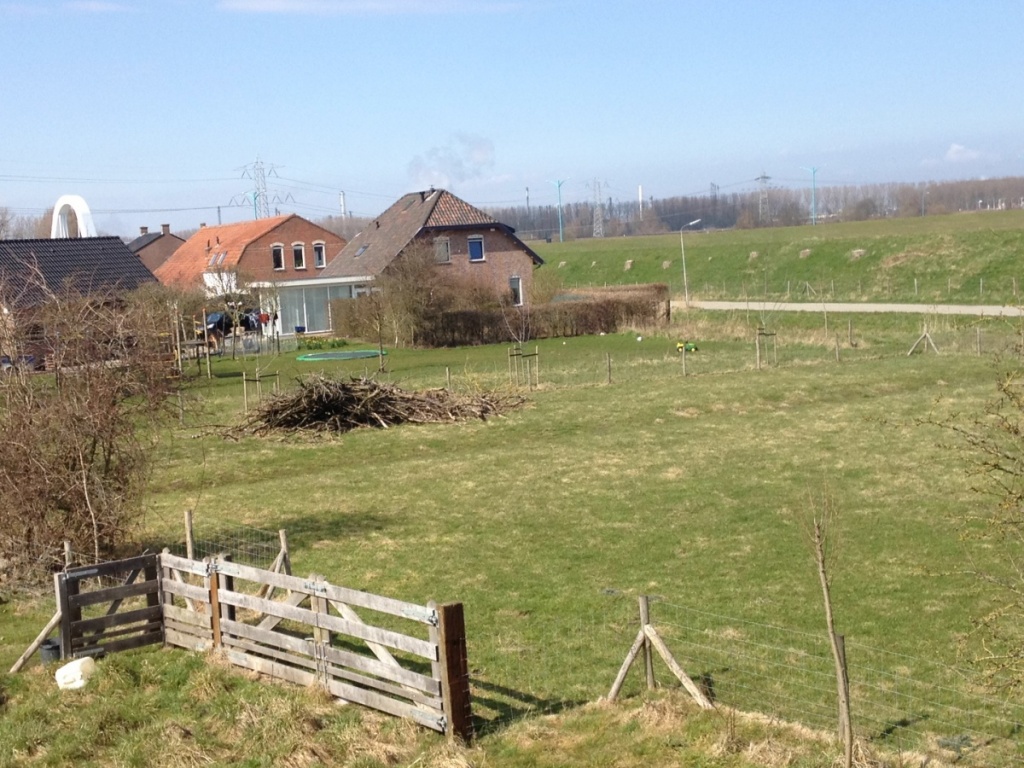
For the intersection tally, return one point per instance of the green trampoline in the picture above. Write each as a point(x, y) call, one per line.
point(350, 354)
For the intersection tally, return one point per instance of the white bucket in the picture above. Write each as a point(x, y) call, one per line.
point(75, 674)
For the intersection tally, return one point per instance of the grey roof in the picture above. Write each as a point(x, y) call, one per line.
point(142, 241)
point(84, 264)
point(369, 252)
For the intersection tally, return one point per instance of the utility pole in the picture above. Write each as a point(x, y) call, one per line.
point(763, 213)
point(640, 199)
point(598, 210)
point(527, 201)
point(561, 231)
point(341, 202)
point(814, 205)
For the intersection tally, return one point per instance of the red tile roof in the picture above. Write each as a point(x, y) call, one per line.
point(186, 266)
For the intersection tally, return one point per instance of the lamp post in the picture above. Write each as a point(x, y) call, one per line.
point(682, 248)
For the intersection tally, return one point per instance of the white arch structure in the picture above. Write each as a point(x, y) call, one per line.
point(59, 224)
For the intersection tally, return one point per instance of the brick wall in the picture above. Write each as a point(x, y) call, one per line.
point(256, 262)
point(503, 258)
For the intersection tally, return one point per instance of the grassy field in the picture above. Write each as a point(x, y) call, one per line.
point(548, 522)
point(969, 257)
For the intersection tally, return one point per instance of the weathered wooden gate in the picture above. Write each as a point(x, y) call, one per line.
point(110, 607)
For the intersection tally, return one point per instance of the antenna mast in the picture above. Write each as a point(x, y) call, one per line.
point(598, 210)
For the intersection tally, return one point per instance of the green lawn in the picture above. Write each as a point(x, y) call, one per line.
point(970, 257)
point(547, 522)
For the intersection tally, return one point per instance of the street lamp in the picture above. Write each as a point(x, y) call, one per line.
point(682, 248)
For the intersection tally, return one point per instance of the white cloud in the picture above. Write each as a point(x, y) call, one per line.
point(958, 153)
point(342, 7)
point(463, 158)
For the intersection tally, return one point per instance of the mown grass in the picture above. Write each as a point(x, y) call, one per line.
point(969, 257)
point(546, 524)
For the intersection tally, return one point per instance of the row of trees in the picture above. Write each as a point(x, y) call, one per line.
point(767, 206)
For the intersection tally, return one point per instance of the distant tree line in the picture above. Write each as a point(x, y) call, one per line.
point(767, 206)
point(770, 206)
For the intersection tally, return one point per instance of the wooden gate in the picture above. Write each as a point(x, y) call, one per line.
point(110, 607)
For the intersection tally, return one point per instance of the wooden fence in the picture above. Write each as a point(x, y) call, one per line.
point(410, 663)
point(97, 618)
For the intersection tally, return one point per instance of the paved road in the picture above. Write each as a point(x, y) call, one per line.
point(986, 310)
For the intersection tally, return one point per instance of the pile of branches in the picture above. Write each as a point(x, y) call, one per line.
point(321, 404)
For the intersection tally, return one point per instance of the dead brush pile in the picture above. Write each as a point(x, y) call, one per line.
point(321, 404)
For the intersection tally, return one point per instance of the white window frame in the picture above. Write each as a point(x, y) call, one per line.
point(469, 247)
point(443, 250)
point(273, 260)
point(299, 255)
point(515, 284)
point(319, 254)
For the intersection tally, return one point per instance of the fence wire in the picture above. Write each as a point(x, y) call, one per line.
point(899, 703)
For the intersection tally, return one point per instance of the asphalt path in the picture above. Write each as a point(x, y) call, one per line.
point(977, 310)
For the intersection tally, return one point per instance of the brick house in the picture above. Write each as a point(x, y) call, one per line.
point(275, 257)
point(154, 248)
point(467, 243)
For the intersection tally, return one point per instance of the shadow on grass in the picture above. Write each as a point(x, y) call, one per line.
point(505, 706)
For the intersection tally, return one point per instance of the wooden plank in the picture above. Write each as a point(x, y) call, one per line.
point(342, 626)
point(387, 605)
point(278, 639)
point(185, 616)
point(386, 688)
point(211, 584)
point(183, 640)
point(645, 621)
point(188, 629)
point(620, 678)
point(271, 668)
point(420, 613)
point(116, 620)
point(112, 594)
point(64, 591)
point(261, 576)
point(98, 637)
point(225, 583)
point(138, 641)
point(400, 675)
point(111, 568)
point(698, 695)
point(183, 564)
point(379, 651)
point(294, 600)
point(455, 672)
point(265, 651)
point(432, 720)
point(34, 645)
point(187, 591)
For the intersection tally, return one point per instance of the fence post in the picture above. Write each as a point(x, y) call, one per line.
point(645, 620)
point(226, 584)
point(844, 702)
point(190, 541)
point(212, 580)
point(455, 671)
point(60, 586)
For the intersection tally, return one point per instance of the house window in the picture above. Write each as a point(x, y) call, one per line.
point(319, 255)
point(277, 255)
point(299, 255)
point(476, 248)
point(515, 284)
point(442, 250)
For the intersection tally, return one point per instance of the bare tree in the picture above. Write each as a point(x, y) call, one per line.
point(73, 443)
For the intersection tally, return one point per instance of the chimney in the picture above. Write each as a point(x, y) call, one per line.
point(165, 229)
point(202, 224)
point(144, 230)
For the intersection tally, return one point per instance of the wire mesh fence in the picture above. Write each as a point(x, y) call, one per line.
point(900, 704)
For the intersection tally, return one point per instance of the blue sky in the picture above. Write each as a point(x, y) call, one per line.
point(144, 106)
